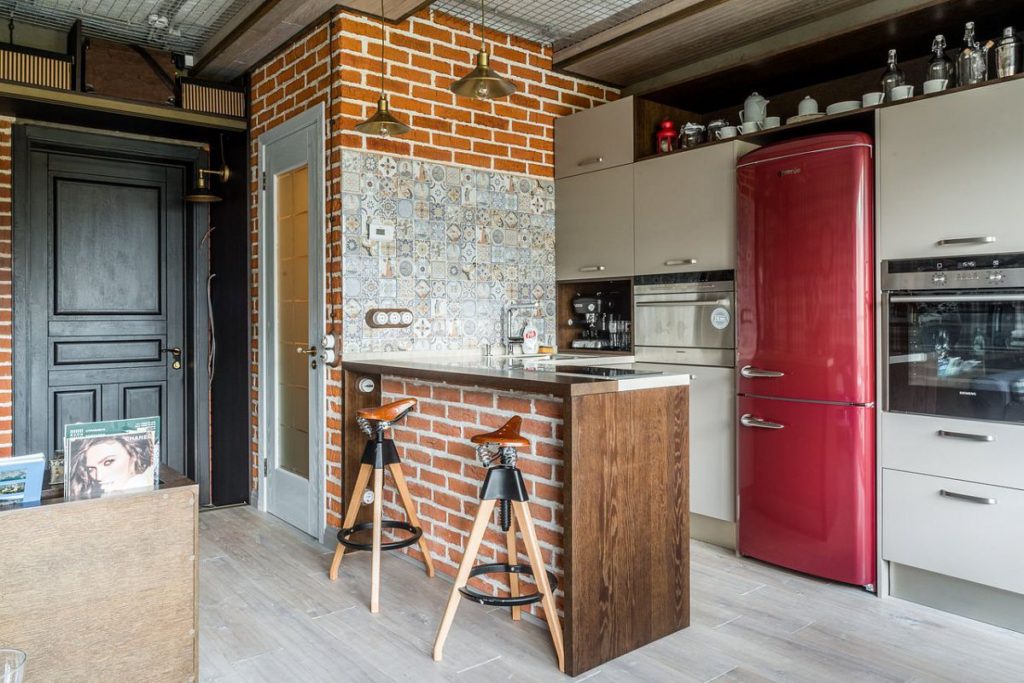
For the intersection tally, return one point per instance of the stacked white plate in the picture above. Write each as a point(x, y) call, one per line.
point(844, 106)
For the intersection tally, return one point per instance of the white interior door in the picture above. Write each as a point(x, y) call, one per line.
point(291, 264)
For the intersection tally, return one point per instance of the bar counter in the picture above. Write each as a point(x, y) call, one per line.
point(607, 473)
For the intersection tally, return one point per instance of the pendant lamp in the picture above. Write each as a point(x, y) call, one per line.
point(483, 82)
point(382, 123)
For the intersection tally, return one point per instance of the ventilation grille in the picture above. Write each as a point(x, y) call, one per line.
point(50, 70)
point(212, 98)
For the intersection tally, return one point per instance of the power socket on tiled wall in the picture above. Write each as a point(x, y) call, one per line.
point(466, 242)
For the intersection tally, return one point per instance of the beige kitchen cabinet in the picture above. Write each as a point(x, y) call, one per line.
point(685, 208)
point(594, 139)
point(713, 442)
point(949, 180)
point(594, 225)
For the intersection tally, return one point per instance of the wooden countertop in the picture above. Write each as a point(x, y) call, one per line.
point(506, 374)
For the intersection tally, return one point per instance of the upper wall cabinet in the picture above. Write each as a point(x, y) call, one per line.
point(594, 225)
point(949, 178)
point(594, 139)
point(685, 210)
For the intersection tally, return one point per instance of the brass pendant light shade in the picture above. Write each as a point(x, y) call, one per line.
point(483, 82)
point(383, 122)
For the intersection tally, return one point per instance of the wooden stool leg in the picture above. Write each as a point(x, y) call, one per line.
point(378, 490)
point(513, 555)
point(410, 510)
point(350, 516)
point(483, 518)
point(540, 576)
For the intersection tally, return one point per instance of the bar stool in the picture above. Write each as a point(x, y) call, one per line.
point(504, 486)
point(379, 453)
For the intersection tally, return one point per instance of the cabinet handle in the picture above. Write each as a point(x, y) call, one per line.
point(751, 421)
point(966, 240)
point(751, 372)
point(980, 500)
point(681, 262)
point(966, 437)
point(590, 161)
point(591, 269)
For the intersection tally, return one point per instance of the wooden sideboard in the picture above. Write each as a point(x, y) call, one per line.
point(104, 589)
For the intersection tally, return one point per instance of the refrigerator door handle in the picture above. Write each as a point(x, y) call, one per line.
point(751, 421)
point(751, 372)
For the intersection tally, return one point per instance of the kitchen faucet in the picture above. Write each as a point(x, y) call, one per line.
point(508, 340)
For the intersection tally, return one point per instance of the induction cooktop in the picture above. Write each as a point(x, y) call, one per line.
point(602, 371)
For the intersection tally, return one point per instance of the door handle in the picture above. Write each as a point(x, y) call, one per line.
point(751, 421)
point(175, 352)
point(966, 437)
point(980, 500)
point(311, 351)
point(750, 372)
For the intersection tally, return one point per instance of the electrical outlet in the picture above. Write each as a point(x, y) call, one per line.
point(381, 231)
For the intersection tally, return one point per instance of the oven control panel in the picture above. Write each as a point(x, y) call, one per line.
point(966, 272)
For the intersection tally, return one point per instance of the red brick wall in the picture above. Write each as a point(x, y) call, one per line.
point(425, 54)
point(6, 292)
point(444, 474)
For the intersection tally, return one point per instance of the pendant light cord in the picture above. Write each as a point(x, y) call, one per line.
point(483, 23)
point(382, 41)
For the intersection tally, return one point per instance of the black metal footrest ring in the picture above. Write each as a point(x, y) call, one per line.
point(510, 601)
point(344, 536)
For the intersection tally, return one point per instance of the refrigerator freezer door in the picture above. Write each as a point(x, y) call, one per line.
point(807, 487)
point(804, 283)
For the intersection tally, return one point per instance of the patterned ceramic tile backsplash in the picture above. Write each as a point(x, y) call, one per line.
point(466, 242)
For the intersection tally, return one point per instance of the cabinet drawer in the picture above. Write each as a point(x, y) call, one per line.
point(943, 188)
point(960, 529)
point(594, 139)
point(985, 452)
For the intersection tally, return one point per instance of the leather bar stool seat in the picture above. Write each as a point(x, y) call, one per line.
point(380, 453)
point(506, 436)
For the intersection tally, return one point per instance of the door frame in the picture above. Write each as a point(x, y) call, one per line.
point(312, 117)
point(28, 138)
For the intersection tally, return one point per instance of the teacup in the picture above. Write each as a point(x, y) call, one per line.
point(749, 127)
point(726, 132)
point(935, 85)
point(902, 92)
point(871, 99)
point(771, 122)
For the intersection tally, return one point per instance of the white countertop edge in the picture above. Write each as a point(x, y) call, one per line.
point(654, 382)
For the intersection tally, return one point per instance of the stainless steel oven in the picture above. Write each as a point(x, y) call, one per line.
point(685, 318)
point(954, 337)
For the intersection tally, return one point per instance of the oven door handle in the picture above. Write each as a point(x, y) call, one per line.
point(953, 298)
point(716, 302)
point(984, 438)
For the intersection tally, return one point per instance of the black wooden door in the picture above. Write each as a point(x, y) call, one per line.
point(106, 298)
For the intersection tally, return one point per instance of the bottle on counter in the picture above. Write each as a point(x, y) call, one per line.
point(892, 77)
point(972, 62)
point(1008, 54)
point(939, 66)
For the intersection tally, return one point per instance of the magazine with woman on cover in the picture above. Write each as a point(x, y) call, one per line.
point(102, 458)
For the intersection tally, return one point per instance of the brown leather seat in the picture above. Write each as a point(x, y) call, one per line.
point(389, 412)
point(506, 435)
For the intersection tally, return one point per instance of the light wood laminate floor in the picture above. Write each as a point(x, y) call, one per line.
point(268, 613)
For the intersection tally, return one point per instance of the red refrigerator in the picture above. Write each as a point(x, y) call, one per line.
point(805, 303)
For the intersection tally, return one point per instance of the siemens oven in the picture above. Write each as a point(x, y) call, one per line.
point(954, 343)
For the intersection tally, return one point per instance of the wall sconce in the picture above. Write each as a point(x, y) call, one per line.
point(200, 192)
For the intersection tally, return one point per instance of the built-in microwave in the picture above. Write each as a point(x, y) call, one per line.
point(954, 337)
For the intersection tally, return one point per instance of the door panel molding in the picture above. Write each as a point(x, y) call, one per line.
point(158, 162)
point(312, 122)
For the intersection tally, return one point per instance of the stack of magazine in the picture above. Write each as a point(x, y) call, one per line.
point(102, 458)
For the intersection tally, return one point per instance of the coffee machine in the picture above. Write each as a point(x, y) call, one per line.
point(599, 326)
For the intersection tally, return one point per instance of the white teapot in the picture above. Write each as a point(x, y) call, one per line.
point(755, 109)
